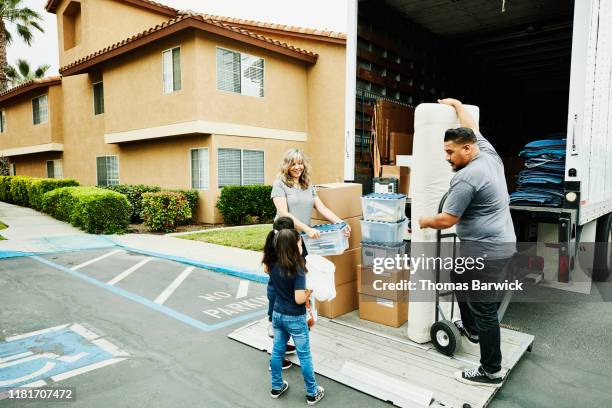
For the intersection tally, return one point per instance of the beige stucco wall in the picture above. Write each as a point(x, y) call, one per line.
point(326, 97)
point(34, 165)
point(20, 129)
point(285, 101)
point(83, 131)
point(284, 105)
point(133, 87)
point(104, 22)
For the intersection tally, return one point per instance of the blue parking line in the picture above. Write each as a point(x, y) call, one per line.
point(150, 304)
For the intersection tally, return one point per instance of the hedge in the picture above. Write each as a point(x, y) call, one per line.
point(134, 194)
point(5, 189)
point(165, 210)
point(38, 187)
point(19, 190)
point(93, 209)
point(236, 203)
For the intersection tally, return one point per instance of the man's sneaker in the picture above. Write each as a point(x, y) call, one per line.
point(290, 349)
point(277, 393)
point(473, 338)
point(477, 376)
point(286, 364)
point(311, 400)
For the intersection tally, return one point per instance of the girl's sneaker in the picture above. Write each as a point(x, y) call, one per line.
point(277, 393)
point(286, 364)
point(311, 400)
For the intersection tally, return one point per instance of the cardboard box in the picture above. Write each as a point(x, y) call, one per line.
point(402, 174)
point(346, 265)
point(353, 222)
point(346, 301)
point(383, 311)
point(400, 143)
point(366, 278)
point(343, 199)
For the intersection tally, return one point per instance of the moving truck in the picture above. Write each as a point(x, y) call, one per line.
point(536, 69)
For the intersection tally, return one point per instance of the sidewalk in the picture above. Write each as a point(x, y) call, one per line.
point(32, 233)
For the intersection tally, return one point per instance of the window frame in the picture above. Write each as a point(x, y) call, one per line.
point(46, 95)
point(118, 170)
point(263, 88)
point(180, 70)
point(61, 166)
point(2, 120)
point(242, 165)
point(191, 167)
point(93, 93)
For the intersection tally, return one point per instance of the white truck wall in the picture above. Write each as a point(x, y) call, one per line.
point(589, 148)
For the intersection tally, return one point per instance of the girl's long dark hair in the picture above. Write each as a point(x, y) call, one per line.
point(269, 256)
point(289, 259)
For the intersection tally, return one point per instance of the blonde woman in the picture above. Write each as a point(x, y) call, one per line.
point(294, 195)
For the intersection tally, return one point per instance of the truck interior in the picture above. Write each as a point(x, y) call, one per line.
point(511, 58)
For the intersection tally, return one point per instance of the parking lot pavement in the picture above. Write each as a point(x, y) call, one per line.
point(129, 330)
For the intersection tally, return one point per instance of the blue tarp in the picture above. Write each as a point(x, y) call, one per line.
point(541, 180)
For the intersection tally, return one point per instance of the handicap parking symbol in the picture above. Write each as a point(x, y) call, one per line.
point(54, 354)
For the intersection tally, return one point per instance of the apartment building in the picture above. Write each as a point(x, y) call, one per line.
point(149, 94)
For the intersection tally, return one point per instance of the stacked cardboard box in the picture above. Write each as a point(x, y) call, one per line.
point(402, 174)
point(388, 307)
point(343, 199)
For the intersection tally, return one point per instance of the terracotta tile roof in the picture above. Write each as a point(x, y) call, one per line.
point(279, 27)
point(28, 86)
point(51, 6)
point(182, 21)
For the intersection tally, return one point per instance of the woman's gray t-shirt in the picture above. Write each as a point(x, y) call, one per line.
point(299, 201)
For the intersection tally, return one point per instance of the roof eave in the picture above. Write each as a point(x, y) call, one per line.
point(179, 26)
point(35, 85)
point(51, 7)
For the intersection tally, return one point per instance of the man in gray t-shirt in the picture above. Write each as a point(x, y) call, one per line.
point(478, 204)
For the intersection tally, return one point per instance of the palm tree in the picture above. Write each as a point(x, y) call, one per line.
point(25, 19)
point(23, 72)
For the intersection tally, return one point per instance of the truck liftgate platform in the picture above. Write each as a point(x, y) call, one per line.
point(382, 362)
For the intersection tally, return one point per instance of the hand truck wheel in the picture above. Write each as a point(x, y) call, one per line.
point(445, 337)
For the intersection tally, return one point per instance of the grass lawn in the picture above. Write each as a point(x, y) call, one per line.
point(252, 237)
point(2, 226)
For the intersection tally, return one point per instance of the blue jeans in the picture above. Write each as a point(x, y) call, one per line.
point(296, 327)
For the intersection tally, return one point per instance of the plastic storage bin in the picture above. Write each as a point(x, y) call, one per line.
point(380, 231)
point(332, 240)
point(383, 207)
point(371, 250)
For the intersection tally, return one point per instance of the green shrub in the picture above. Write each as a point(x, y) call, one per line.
point(38, 187)
point(163, 211)
point(237, 203)
point(92, 209)
point(134, 195)
point(19, 190)
point(5, 189)
point(192, 197)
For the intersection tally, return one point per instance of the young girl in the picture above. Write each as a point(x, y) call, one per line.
point(289, 319)
point(269, 259)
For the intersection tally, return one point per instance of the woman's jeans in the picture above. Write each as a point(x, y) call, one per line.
point(296, 327)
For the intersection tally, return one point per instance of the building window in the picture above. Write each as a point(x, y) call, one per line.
point(172, 70)
point(240, 73)
point(40, 110)
point(2, 121)
point(13, 169)
point(238, 167)
point(108, 170)
point(199, 169)
point(54, 169)
point(98, 96)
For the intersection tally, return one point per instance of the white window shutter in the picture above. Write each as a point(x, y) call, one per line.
point(253, 167)
point(228, 167)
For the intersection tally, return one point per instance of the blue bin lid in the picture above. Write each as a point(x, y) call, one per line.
point(385, 196)
point(385, 222)
point(383, 244)
point(324, 228)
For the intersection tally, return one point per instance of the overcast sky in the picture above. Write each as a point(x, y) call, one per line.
point(323, 14)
